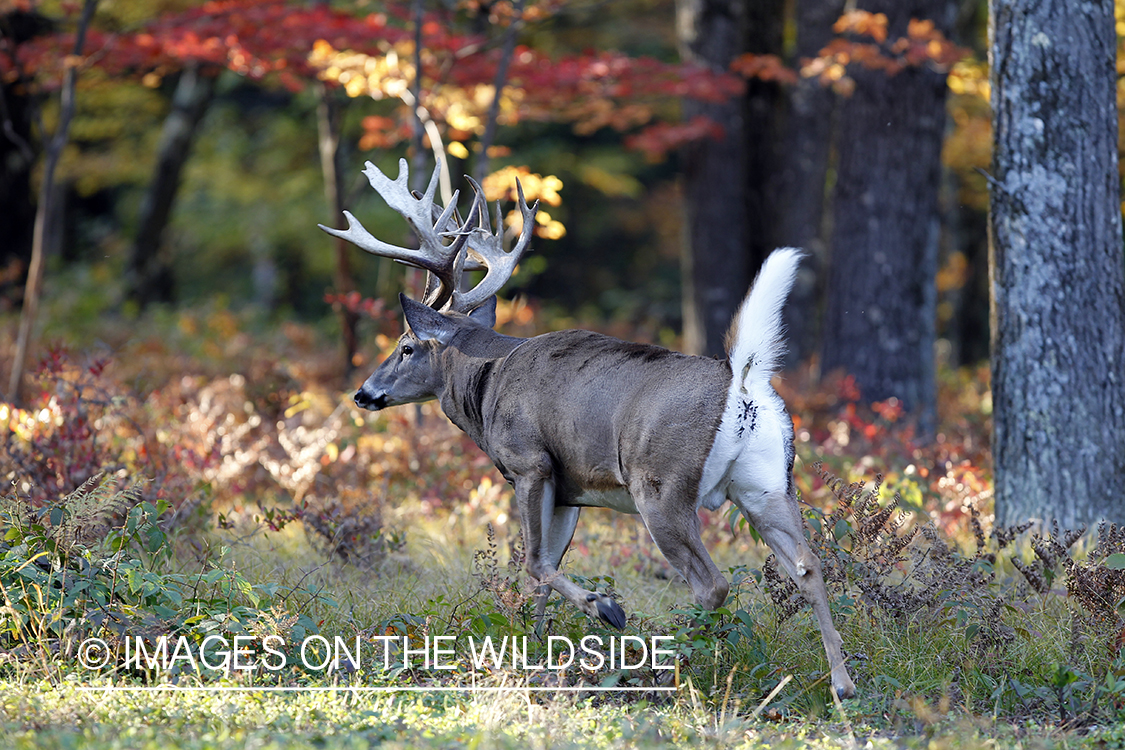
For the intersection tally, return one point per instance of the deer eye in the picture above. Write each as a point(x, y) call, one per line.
point(407, 350)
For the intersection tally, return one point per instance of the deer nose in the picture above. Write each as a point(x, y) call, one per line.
point(367, 400)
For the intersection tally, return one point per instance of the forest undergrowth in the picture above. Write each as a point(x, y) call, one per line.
point(229, 487)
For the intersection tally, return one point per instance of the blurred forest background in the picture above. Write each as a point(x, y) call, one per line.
point(179, 156)
point(195, 172)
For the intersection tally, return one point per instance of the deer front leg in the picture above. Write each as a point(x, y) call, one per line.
point(779, 522)
point(536, 498)
point(561, 531)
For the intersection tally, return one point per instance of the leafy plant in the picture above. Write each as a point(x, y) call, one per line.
point(62, 584)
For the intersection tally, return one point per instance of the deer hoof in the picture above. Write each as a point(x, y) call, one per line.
point(611, 612)
point(845, 690)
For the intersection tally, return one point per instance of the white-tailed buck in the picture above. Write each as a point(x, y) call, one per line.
point(575, 419)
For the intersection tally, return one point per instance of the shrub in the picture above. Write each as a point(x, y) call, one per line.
point(67, 574)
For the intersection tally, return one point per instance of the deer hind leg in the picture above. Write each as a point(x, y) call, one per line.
point(675, 527)
point(536, 498)
point(775, 516)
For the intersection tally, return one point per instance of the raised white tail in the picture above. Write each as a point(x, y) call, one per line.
point(758, 337)
point(754, 417)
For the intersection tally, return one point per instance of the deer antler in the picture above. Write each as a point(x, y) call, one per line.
point(445, 262)
point(474, 245)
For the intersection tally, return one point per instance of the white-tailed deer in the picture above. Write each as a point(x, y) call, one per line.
point(576, 419)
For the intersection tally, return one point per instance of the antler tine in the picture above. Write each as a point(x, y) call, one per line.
point(433, 254)
point(451, 224)
point(440, 298)
point(489, 250)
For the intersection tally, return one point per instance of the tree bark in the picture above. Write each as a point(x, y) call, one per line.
point(715, 263)
point(149, 274)
point(1058, 273)
point(802, 172)
point(764, 106)
point(880, 313)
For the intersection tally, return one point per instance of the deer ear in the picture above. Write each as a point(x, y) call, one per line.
point(425, 322)
point(485, 314)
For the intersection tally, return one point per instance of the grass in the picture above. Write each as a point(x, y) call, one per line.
point(906, 669)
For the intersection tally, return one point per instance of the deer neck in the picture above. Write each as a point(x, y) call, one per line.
point(470, 363)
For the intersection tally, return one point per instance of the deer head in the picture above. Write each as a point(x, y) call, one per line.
point(447, 247)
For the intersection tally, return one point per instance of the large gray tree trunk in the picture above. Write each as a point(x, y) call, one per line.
point(880, 314)
point(764, 106)
point(715, 278)
point(802, 172)
point(1058, 272)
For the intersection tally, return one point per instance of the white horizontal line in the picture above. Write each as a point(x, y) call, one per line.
point(361, 689)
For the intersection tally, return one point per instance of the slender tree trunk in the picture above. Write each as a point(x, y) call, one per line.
point(880, 315)
point(17, 219)
point(1058, 272)
point(46, 199)
point(715, 277)
point(802, 174)
point(418, 173)
point(328, 129)
point(150, 275)
point(328, 112)
point(498, 83)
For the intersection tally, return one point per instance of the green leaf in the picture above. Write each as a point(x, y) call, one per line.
point(156, 538)
point(1116, 561)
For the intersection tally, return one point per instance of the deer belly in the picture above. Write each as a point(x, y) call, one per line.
point(619, 500)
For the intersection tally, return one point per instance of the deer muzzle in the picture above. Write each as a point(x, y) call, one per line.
point(366, 399)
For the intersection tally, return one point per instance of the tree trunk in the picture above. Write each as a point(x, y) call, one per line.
point(1058, 274)
point(150, 275)
point(716, 275)
point(802, 172)
point(47, 197)
point(328, 131)
point(763, 106)
point(880, 314)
